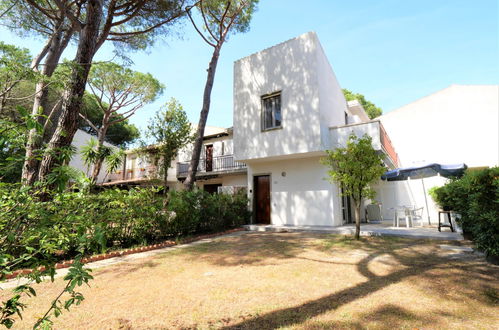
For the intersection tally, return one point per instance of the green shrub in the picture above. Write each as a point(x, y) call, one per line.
point(197, 211)
point(475, 197)
point(82, 223)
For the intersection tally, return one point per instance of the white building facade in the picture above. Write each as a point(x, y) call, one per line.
point(288, 109)
point(459, 124)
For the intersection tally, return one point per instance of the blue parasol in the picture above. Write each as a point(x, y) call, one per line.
point(425, 171)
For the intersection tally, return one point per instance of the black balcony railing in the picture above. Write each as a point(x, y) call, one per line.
point(216, 164)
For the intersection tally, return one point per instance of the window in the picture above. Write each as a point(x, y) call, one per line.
point(271, 111)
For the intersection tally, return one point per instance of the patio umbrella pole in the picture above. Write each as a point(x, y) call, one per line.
point(426, 202)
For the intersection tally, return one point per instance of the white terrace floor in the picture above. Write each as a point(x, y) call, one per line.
point(385, 228)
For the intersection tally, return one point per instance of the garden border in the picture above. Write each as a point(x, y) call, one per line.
point(68, 263)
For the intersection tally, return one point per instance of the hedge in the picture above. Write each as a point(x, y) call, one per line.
point(475, 197)
point(83, 223)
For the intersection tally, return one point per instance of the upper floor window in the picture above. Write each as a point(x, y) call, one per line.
point(271, 111)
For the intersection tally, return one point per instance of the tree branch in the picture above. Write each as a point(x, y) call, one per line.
point(205, 21)
point(89, 123)
point(221, 26)
point(44, 11)
point(76, 22)
point(188, 10)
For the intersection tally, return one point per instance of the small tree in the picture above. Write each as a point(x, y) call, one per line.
point(355, 168)
point(168, 131)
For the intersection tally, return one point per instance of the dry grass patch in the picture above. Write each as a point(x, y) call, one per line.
point(288, 280)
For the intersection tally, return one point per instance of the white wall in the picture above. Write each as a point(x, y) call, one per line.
point(332, 103)
point(459, 124)
point(80, 139)
point(290, 67)
point(302, 196)
point(340, 135)
point(186, 153)
point(410, 192)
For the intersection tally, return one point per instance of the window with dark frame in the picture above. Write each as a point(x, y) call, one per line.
point(271, 111)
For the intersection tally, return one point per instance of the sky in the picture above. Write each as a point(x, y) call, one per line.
point(394, 52)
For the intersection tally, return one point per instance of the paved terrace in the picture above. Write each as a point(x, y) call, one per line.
point(381, 229)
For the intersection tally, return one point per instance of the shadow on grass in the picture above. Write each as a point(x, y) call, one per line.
point(413, 262)
point(413, 258)
point(390, 314)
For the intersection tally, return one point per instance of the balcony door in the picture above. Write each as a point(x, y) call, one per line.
point(209, 158)
point(261, 185)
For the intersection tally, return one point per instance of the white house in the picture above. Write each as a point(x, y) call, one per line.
point(459, 124)
point(288, 109)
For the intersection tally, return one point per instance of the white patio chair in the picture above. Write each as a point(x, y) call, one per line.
point(417, 214)
point(373, 213)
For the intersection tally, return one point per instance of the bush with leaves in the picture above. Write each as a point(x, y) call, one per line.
point(475, 197)
point(29, 238)
point(37, 232)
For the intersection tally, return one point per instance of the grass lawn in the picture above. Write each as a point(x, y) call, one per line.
point(287, 281)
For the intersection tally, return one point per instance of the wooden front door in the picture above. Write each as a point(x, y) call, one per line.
point(209, 158)
point(262, 199)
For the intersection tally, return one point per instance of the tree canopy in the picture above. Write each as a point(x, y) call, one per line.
point(355, 167)
point(168, 131)
point(371, 109)
point(14, 68)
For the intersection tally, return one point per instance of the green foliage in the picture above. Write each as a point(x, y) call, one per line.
point(36, 233)
point(114, 160)
point(117, 93)
point(475, 197)
point(220, 13)
point(371, 109)
point(112, 78)
point(197, 211)
point(14, 69)
point(355, 167)
point(121, 133)
point(30, 238)
point(91, 153)
point(168, 131)
point(12, 141)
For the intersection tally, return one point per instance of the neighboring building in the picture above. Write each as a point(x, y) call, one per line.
point(80, 139)
point(216, 168)
point(288, 109)
point(459, 124)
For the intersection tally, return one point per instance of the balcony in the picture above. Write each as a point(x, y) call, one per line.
point(135, 174)
point(216, 165)
point(381, 142)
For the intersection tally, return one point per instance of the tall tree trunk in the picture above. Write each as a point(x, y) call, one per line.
point(165, 177)
point(357, 219)
point(98, 164)
point(53, 53)
point(198, 143)
point(72, 97)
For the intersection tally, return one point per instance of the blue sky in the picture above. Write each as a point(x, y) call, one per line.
point(392, 51)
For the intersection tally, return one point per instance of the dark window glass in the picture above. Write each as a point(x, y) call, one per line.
point(271, 114)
